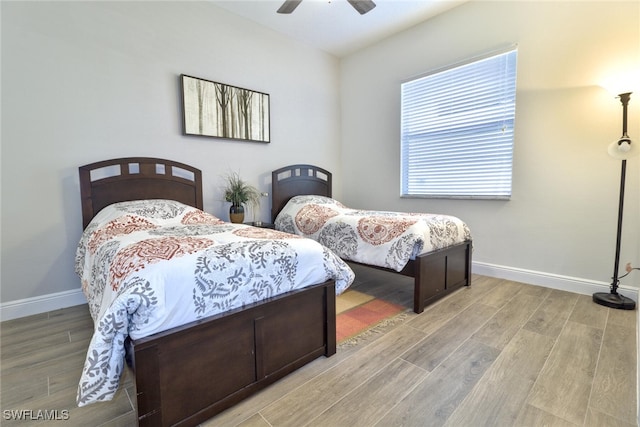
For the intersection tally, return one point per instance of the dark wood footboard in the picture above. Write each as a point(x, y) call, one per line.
point(436, 274)
point(188, 374)
point(439, 273)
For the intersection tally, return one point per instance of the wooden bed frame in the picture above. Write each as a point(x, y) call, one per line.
point(435, 274)
point(190, 373)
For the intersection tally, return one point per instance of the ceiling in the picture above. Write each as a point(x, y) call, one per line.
point(334, 25)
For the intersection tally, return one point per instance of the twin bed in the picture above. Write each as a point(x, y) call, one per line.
point(433, 249)
point(229, 347)
point(253, 304)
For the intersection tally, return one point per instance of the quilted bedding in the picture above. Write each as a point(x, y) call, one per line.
point(148, 266)
point(379, 238)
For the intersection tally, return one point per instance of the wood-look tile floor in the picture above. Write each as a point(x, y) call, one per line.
point(498, 353)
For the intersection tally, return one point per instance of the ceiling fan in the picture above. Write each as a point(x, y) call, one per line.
point(362, 6)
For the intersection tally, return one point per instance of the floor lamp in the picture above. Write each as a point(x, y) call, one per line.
point(621, 149)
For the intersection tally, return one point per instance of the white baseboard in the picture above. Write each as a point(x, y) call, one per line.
point(549, 280)
point(42, 304)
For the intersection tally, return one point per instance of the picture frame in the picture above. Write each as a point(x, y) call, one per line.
point(220, 110)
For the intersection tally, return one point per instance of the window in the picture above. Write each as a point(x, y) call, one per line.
point(457, 130)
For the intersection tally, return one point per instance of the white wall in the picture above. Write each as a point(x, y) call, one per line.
point(87, 81)
point(561, 219)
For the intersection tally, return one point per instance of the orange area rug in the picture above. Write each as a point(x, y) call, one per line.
point(357, 312)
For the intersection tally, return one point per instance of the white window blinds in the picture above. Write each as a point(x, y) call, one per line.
point(457, 130)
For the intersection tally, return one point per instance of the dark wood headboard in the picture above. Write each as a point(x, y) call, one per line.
point(297, 180)
point(137, 178)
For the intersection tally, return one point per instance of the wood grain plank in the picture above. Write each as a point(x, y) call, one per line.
point(553, 313)
point(627, 318)
point(40, 325)
point(44, 355)
point(499, 396)
point(13, 343)
point(18, 350)
point(370, 401)
point(589, 313)
point(499, 330)
point(598, 419)
point(615, 383)
point(21, 388)
point(532, 416)
point(435, 348)
point(72, 362)
point(434, 399)
point(564, 384)
point(502, 293)
point(535, 290)
point(91, 415)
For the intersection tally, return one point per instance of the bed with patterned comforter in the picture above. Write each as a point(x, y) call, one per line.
point(148, 266)
point(378, 238)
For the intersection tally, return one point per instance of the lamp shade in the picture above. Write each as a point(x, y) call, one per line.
point(623, 149)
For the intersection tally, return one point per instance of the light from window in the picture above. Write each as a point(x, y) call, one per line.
point(457, 130)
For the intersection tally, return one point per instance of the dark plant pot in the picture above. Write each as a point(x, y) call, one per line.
point(236, 214)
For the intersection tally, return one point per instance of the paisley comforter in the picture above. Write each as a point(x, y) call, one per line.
point(148, 266)
point(382, 239)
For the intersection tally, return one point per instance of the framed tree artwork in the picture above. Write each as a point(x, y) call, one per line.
point(223, 111)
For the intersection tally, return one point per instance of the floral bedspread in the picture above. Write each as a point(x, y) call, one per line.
point(379, 238)
point(148, 266)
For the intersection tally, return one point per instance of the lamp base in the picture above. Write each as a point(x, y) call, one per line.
point(612, 300)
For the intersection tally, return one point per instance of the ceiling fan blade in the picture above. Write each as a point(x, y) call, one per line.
point(289, 6)
point(362, 6)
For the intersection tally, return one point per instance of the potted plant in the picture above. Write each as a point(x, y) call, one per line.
point(239, 193)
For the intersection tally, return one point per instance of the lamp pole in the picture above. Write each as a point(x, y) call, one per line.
point(613, 299)
point(624, 99)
